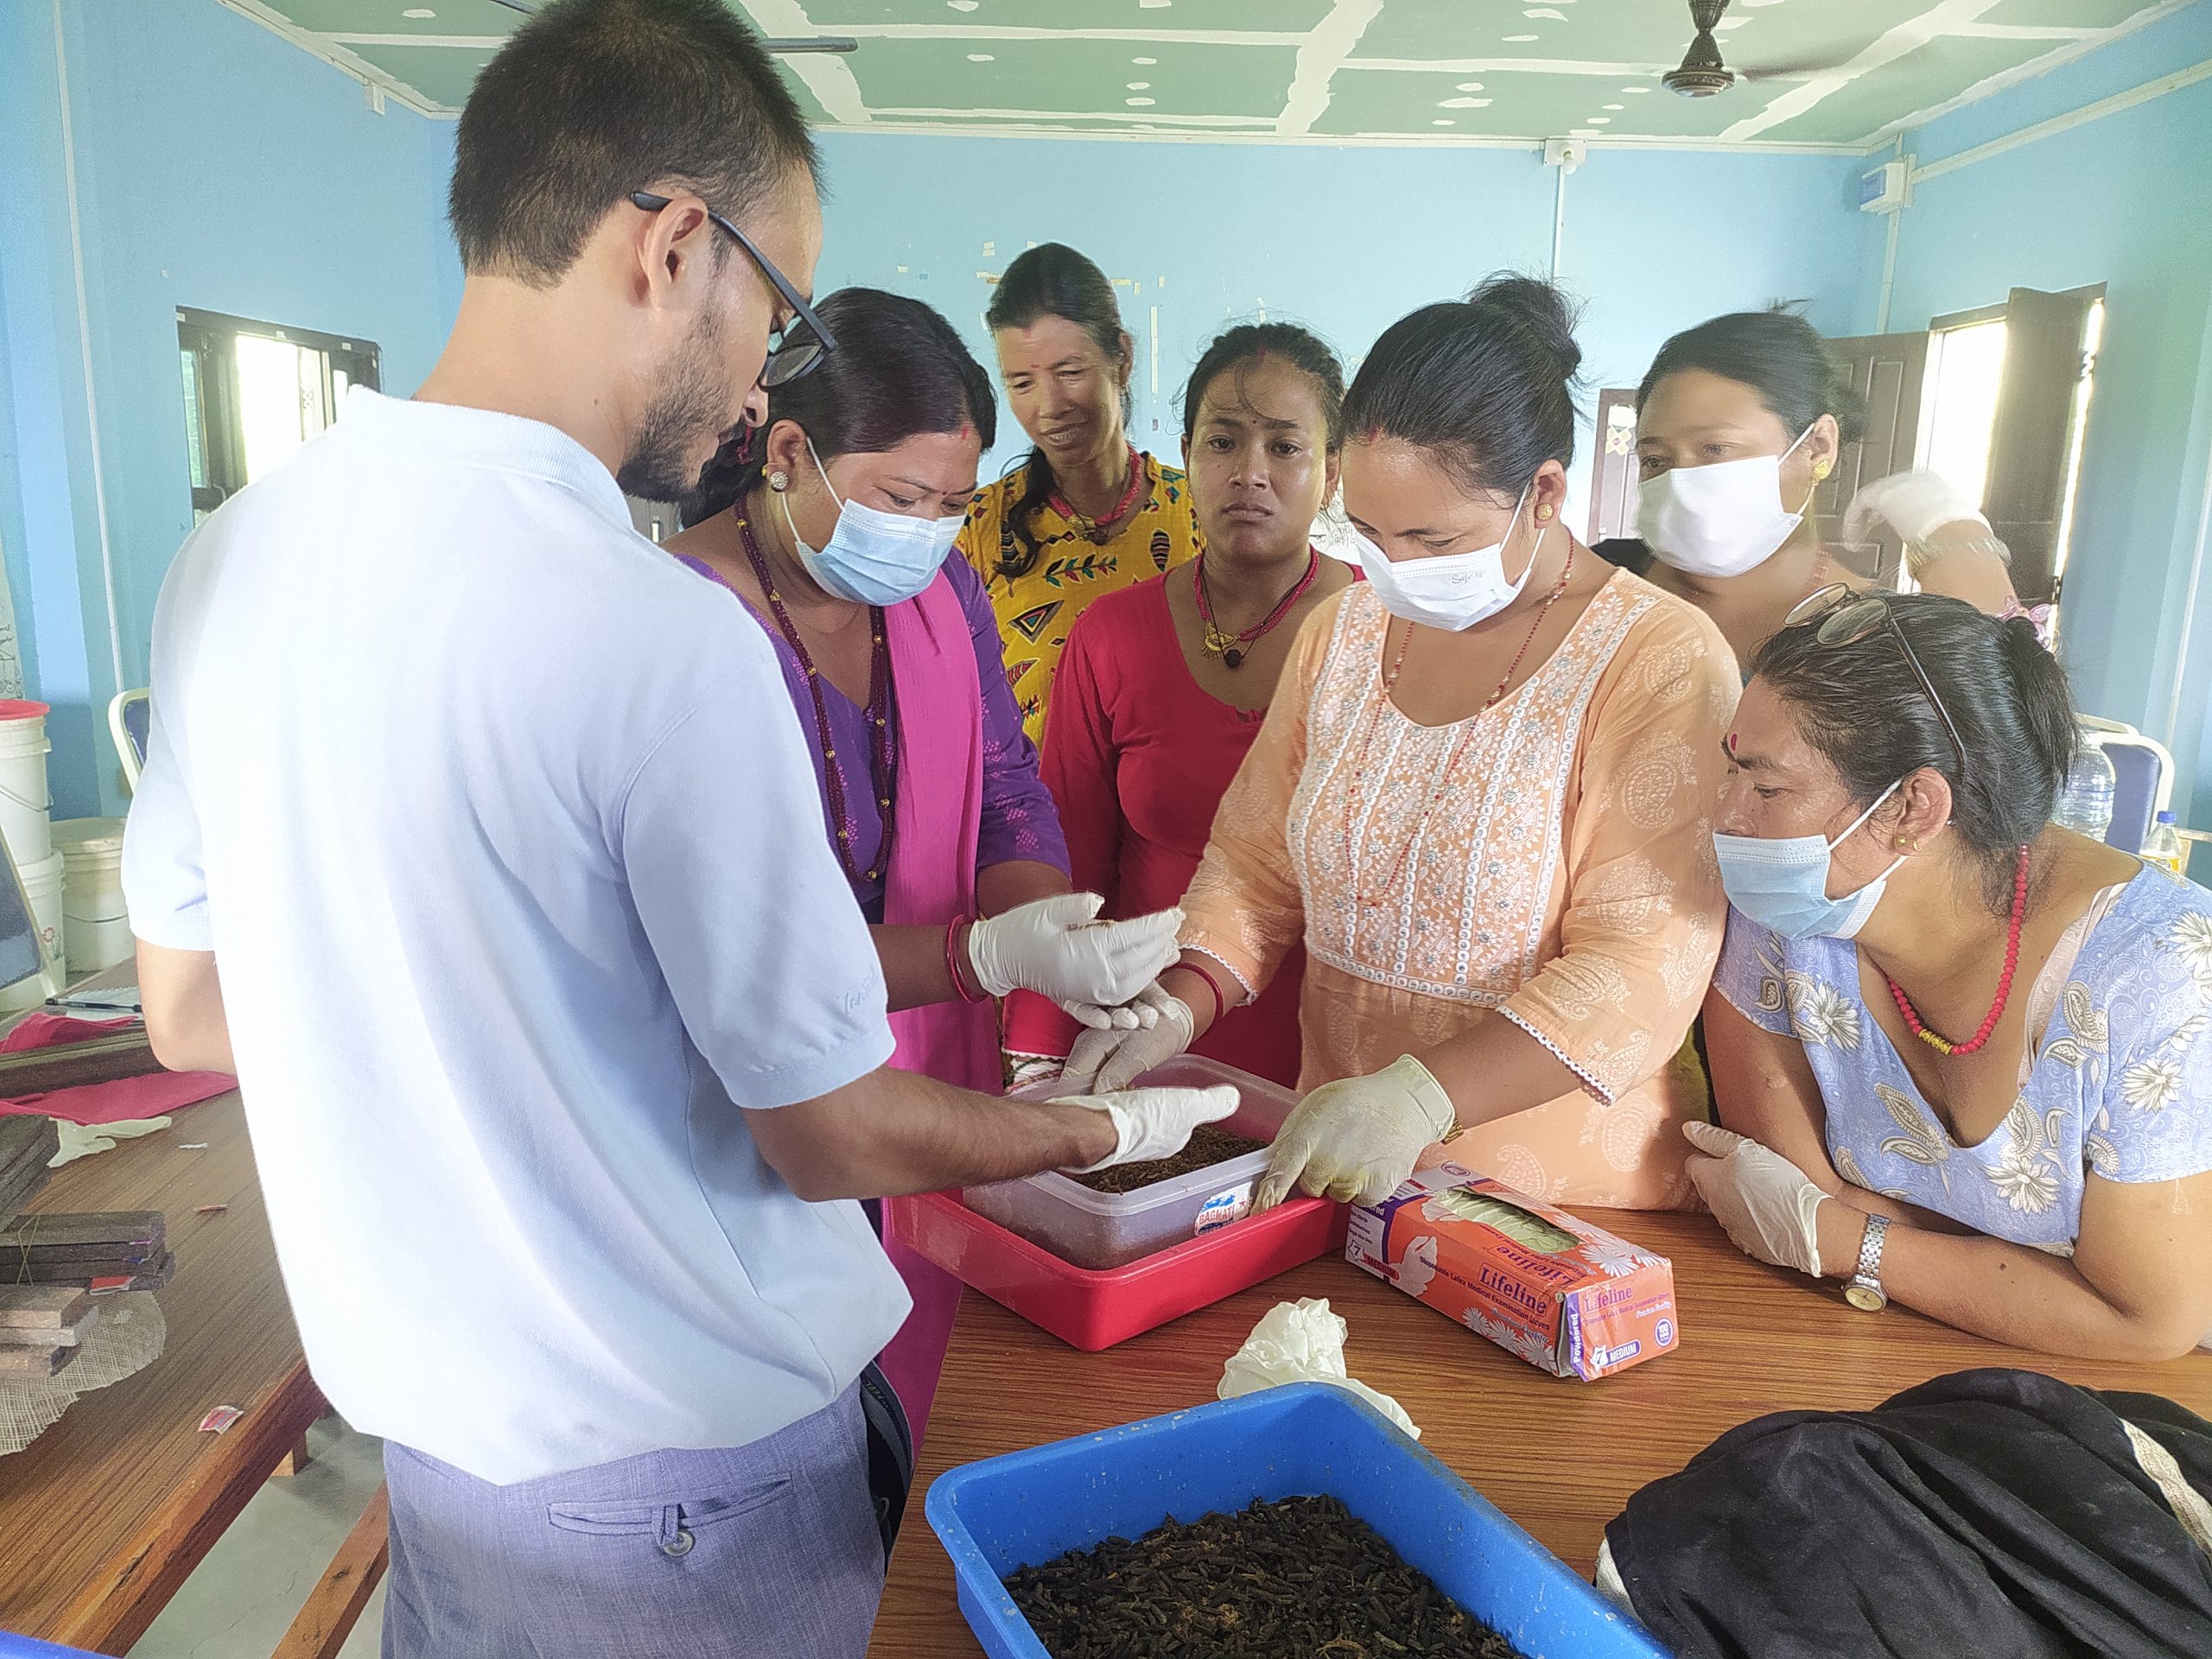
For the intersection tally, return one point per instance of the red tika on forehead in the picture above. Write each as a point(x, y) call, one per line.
point(1729, 743)
point(1372, 433)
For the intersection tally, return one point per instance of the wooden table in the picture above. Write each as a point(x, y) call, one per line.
point(1561, 1458)
point(103, 1515)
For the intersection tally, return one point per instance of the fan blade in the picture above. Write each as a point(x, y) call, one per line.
point(1787, 71)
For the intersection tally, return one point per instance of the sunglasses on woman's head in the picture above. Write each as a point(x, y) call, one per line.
point(1841, 615)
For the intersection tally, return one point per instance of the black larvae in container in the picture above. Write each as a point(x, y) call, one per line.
point(1299, 1579)
point(1210, 1144)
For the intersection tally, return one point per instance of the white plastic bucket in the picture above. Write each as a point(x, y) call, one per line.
point(42, 886)
point(25, 803)
point(96, 926)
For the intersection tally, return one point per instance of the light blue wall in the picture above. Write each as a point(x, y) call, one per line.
point(2121, 200)
point(1345, 240)
point(217, 167)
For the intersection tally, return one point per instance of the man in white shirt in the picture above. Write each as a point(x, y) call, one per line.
point(560, 1034)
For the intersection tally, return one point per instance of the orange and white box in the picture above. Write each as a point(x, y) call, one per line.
point(1573, 1300)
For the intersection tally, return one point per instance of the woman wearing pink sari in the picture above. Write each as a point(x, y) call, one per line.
point(832, 524)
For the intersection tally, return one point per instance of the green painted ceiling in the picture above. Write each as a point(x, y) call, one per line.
point(1819, 71)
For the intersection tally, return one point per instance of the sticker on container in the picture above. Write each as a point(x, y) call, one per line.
point(1224, 1208)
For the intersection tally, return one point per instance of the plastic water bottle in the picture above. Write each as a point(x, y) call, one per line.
point(2085, 803)
point(2162, 846)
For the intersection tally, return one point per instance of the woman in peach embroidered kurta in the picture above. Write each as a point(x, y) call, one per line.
point(1571, 888)
point(1482, 798)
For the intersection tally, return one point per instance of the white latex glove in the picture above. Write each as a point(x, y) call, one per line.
point(83, 1140)
point(1054, 947)
point(1301, 1342)
point(1107, 1060)
point(1761, 1200)
point(1914, 504)
point(1153, 1122)
point(1355, 1141)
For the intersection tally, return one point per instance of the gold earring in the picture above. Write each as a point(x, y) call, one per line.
point(1821, 470)
point(779, 481)
point(1543, 515)
point(1907, 843)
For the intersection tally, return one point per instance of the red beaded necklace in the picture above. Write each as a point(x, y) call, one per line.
point(2004, 981)
point(1096, 529)
point(1229, 647)
point(883, 755)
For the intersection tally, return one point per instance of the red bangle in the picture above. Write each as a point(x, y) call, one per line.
point(1220, 1003)
point(952, 960)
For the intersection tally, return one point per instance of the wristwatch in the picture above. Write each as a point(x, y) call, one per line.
point(1865, 1290)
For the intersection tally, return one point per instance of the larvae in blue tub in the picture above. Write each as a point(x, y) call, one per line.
point(1301, 1578)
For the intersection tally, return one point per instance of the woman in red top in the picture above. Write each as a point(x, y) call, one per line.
point(1163, 685)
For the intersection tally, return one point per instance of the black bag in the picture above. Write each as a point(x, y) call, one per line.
point(1989, 1514)
point(890, 1454)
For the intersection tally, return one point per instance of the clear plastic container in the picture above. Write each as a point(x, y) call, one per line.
point(1108, 1229)
point(2162, 846)
point(2085, 801)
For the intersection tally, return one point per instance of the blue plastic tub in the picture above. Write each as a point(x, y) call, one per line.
point(1303, 1441)
point(23, 1646)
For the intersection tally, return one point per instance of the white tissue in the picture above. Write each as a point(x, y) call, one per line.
point(83, 1140)
point(1301, 1342)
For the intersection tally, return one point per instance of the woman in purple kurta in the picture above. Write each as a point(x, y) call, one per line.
point(929, 787)
point(1019, 822)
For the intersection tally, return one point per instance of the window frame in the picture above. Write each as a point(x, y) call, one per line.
point(208, 340)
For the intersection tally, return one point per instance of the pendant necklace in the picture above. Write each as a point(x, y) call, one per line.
point(1232, 648)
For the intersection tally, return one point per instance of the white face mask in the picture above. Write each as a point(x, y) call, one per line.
point(1720, 519)
point(1451, 591)
point(874, 557)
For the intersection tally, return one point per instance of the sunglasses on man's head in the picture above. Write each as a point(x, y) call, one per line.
point(804, 342)
point(1843, 616)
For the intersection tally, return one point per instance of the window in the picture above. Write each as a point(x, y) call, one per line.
point(1966, 368)
point(254, 392)
point(2007, 404)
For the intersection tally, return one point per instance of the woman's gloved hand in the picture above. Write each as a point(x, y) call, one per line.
point(1357, 1140)
point(1054, 947)
point(1914, 504)
point(1109, 1060)
point(1761, 1200)
point(1153, 1122)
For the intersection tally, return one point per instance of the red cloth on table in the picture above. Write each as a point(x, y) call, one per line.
point(104, 1103)
point(1137, 756)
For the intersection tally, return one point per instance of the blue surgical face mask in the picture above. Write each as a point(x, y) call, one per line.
point(1784, 884)
point(874, 557)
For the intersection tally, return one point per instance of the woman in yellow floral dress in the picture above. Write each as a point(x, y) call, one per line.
point(1088, 513)
point(1483, 798)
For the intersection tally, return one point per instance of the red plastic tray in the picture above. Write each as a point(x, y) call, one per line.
point(1094, 1309)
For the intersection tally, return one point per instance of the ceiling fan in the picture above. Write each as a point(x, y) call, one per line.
point(1701, 73)
point(824, 43)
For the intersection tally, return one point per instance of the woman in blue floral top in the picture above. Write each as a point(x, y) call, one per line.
point(1988, 1040)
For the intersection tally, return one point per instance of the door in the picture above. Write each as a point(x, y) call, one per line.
point(2035, 443)
point(1613, 474)
point(1887, 371)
